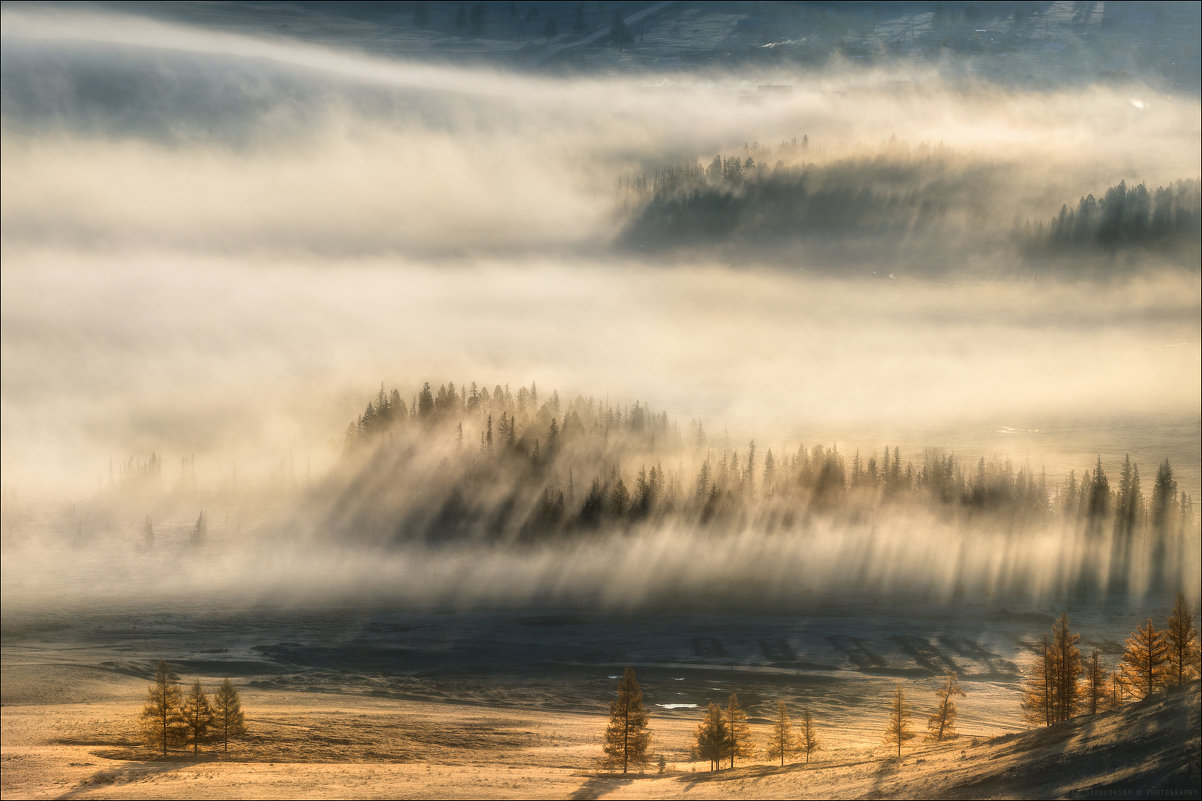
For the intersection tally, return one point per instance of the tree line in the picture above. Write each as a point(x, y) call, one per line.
point(173, 719)
point(1163, 218)
point(463, 463)
point(1060, 684)
point(724, 734)
point(737, 198)
point(748, 201)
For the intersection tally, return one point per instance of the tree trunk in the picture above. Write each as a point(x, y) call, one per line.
point(626, 736)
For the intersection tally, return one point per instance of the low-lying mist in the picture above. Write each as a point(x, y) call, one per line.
point(471, 499)
point(217, 245)
point(128, 133)
point(244, 366)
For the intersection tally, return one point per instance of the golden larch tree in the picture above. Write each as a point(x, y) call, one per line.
point(781, 739)
point(1038, 688)
point(228, 720)
point(626, 737)
point(711, 737)
point(942, 723)
point(807, 737)
point(1145, 661)
point(1182, 639)
point(738, 733)
point(197, 716)
point(1052, 692)
point(898, 729)
point(160, 718)
point(1068, 669)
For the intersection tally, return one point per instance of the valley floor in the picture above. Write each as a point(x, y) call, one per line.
point(70, 731)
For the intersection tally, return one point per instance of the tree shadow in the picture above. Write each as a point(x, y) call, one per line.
point(740, 772)
point(885, 777)
point(599, 785)
point(131, 772)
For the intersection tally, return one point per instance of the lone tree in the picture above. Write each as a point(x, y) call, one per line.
point(942, 723)
point(228, 720)
point(737, 731)
point(1182, 640)
point(898, 730)
point(781, 741)
point(627, 738)
point(1145, 661)
point(712, 739)
point(161, 715)
point(807, 738)
point(197, 716)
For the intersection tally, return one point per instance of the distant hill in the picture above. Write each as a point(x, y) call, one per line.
point(1007, 43)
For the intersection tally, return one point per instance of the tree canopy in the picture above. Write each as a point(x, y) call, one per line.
point(626, 738)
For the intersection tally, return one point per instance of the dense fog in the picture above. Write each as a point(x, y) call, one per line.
point(218, 245)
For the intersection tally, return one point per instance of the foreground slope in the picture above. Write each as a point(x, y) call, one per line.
point(1144, 750)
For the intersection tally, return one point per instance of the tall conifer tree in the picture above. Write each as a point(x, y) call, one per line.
point(898, 729)
point(942, 722)
point(228, 719)
point(781, 740)
point(1182, 640)
point(626, 737)
point(161, 715)
point(1145, 661)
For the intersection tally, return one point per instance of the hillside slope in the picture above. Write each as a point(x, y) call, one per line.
point(1142, 750)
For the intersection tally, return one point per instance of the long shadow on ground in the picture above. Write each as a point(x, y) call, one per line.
point(598, 786)
point(130, 772)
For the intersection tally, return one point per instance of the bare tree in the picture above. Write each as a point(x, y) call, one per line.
point(898, 729)
point(781, 742)
point(626, 737)
point(1182, 640)
point(942, 723)
point(197, 716)
point(1145, 660)
point(161, 715)
point(228, 720)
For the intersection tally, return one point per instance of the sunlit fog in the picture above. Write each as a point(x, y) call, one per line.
point(948, 305)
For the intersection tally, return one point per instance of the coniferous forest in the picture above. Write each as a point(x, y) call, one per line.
point(507, 469)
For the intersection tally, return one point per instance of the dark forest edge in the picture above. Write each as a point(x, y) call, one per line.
point(917, 200)
point(523, 466)
point(434, 489)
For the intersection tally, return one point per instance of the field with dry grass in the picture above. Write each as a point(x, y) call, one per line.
point(70, 729)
